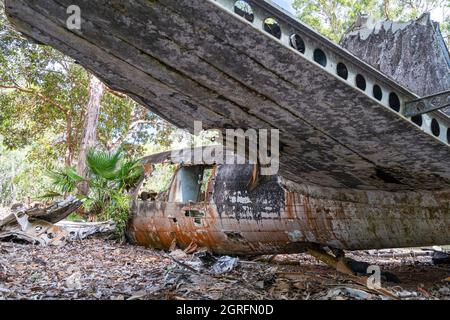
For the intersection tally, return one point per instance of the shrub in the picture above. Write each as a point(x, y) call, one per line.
point(109, 178)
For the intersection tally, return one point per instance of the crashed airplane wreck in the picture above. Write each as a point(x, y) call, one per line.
point(230, 209)
point(364, 134)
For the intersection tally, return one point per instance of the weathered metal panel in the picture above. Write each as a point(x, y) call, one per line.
point(195, 60)
point(426, 104)
point(232, 196)
point(302, 215)
point(413, 53)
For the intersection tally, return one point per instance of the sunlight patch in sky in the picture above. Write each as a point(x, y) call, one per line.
point(285, 4)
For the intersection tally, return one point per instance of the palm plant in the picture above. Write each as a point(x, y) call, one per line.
point(113, 168)
point(65, 180)
point(109, 177)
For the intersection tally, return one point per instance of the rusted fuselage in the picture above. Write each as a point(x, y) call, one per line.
point(238, 213)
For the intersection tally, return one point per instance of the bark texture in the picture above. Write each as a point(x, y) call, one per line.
point(89, 138)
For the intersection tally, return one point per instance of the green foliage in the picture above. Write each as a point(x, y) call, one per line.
point(118, 209)
point(333, 17)
point(20, 176)
point(109, 177)
point(113, 167)
point(66, 180)
point(103, 164)
point(129, 174)
point(74, 217)
point(160, 178)
point(43, 98)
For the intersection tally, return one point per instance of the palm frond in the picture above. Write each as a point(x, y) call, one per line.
point(50, 194)
point(104, 164)
point(65, 180)
point(129, 173)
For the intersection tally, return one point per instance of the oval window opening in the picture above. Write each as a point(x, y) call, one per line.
point(342, 71)
point(271, 26)
point(417, 120)
point(320, 57)
point(377, 93)
point(297, 43)
point(394, 102)
point(361, 82)
point(243, 9)
point(435, 129)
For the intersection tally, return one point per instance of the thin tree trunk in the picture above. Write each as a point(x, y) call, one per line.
point(89, 137)
point(386, 9)
point(69, 142)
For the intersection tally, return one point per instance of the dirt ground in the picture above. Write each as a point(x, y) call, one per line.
point(101, 269)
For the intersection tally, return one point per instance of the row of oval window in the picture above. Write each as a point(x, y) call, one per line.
point(271, 26)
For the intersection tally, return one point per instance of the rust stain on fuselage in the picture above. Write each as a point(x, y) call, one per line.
point(279, 216)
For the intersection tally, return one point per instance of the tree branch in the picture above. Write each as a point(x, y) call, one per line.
point(39, 95)
point(115, 93)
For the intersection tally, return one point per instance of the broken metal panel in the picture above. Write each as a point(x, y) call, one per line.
point(232, 221)
point(50, 213)
point(83, 230)
point(36, 224)
point(45, 233)
point(58, 210)
point(34, 231)
point(412, 53)
point(424, 105)
point(187, 66)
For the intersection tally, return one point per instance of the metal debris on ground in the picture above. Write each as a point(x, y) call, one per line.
point(43, 224)
point(342, 293)
point(224, 264)
point(83, 230)
point(36, 224)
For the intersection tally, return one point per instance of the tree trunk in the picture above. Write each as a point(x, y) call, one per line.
point(89, 137)
point(69, 141)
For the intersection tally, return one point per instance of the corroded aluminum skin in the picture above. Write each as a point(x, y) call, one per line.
point(434, 102)
point(192, 60)
point(346, 219)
